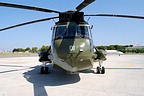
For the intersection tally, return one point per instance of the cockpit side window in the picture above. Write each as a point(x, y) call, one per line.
point(90, 34)
point(83, 31)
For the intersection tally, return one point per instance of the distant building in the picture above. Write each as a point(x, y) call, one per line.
point(137, 46)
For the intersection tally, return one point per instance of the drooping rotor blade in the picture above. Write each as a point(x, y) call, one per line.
point(84, 4)
point(115, 15)
point(27, 7)
point(26, 23)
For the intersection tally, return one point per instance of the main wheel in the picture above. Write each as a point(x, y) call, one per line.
point(44, 70)
point(103, 70)
point(98, 70)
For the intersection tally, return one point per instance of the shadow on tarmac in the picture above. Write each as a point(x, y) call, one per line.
point(54, 78)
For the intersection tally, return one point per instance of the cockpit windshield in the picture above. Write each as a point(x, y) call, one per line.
point(59, 31)
point(72, 31)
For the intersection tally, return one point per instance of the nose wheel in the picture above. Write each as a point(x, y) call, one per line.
point(44, 69)
point(100, 69)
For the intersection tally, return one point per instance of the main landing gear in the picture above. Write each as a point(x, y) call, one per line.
point(100, 69)
point(44, 69)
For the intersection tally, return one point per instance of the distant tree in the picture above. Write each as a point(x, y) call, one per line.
point(35, 50)
point(111, 47)
point(28, 49)
point(102, 47)
point(20, 50)
point(44, 48)
point(15, 50)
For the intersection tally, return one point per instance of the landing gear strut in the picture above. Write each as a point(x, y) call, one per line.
point(100, 69)
point(44, 69)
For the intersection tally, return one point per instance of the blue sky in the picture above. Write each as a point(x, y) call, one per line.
point(106, 31)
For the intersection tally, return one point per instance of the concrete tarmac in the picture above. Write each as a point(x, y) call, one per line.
point(19, 76)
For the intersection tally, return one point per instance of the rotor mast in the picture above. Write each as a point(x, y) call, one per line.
point(71, 16)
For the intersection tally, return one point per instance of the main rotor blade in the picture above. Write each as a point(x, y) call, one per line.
point(27, 7)
point(84, 4)
point(26, 23)
point(115, 15)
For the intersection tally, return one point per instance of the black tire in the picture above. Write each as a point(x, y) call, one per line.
point(46, 70)
point(42, 70)
point(103, 70)
point(98, 70)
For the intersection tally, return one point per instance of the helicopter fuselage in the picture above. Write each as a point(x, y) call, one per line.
point(72, 46)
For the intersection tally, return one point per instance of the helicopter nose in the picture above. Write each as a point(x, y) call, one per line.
point(82, 45)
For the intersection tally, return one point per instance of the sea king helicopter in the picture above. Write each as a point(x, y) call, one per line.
point(72, 46)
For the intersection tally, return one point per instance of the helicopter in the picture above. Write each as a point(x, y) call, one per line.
point(72, 48)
